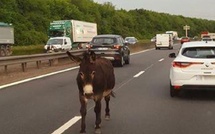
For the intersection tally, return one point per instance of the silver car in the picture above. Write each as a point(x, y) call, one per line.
point(131, 40)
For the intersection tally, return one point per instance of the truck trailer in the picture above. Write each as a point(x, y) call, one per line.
point(174, 34)
point(69, 34)
point(6, 39)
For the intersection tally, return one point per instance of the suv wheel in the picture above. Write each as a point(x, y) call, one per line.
point(127, 61)
point(121, 61)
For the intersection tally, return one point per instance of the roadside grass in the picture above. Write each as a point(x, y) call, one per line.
point(28, 50)
point(39, 49)
point(141, 45)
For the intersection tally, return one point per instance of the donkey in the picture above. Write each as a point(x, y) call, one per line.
point(95, 81)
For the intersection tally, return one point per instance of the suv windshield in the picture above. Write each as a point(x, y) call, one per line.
point(199, 52)
point(104, 41)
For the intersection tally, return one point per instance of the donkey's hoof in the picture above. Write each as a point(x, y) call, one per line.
point(107, 117)
point(82, 131)
point(98, 131)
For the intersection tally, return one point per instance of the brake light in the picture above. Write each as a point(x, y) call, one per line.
point(117, 46)
point(177, 87)
point(184, 64)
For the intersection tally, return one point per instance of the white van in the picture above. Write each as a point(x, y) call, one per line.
point(57, 44)
point(164, 41)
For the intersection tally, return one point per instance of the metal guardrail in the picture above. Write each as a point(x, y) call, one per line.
point(38, 58)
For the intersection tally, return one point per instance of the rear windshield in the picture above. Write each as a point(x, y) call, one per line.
point(199, 52)
point(104, 41)
point(207, 39)
point(130, 39)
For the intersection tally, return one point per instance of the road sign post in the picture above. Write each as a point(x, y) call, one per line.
point(186, 28)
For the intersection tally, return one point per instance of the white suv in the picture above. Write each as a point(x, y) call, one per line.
point(193, 67)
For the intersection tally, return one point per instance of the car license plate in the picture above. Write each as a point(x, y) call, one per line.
point(209, 77)
point(103, 48)
point(206, 77)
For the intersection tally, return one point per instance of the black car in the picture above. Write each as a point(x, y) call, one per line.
point(112, 47)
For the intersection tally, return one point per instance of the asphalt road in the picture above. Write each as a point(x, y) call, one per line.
point(142, 104)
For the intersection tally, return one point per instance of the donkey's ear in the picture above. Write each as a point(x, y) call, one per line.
point(93, 55)
point(73, 58)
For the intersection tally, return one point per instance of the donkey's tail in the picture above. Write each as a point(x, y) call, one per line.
point(113, 94)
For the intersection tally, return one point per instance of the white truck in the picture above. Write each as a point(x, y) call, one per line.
point(174, 34)
point(69, 34)
point(164, 41)
point(6, 39)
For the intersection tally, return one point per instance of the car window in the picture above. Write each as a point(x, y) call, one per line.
point(104, 41)
point(206, 39)
point(130, 39)
point(199, 52)
point(55, 41)
point(185, 38)
point(120, 40)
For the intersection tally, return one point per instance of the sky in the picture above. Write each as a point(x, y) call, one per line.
point(204, 9)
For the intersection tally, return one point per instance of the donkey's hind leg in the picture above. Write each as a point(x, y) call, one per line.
point(107, 109)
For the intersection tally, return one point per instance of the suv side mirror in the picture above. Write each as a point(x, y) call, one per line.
point(172, 55)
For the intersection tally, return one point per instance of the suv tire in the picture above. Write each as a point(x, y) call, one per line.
point(120, 62)
point(127, 61)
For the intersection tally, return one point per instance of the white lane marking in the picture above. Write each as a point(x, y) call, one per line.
point(37, 77)
point(137, 75)
point(142, 51)
point(161, 59)
point(67, 125)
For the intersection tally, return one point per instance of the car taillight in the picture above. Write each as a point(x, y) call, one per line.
point(184, 64)
point(177, 87)
point(117, 46)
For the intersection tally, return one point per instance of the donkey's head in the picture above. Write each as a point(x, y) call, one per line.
point(86, 72)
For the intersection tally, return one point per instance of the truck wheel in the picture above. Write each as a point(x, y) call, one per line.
point(8, 50)
point(2, 52)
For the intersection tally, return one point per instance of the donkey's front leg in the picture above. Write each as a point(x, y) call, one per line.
point(83, 112)
point(97, 110)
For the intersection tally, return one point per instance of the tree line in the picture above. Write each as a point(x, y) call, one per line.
point(31, 19)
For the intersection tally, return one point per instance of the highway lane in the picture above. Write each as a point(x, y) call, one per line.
point(142, 104)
